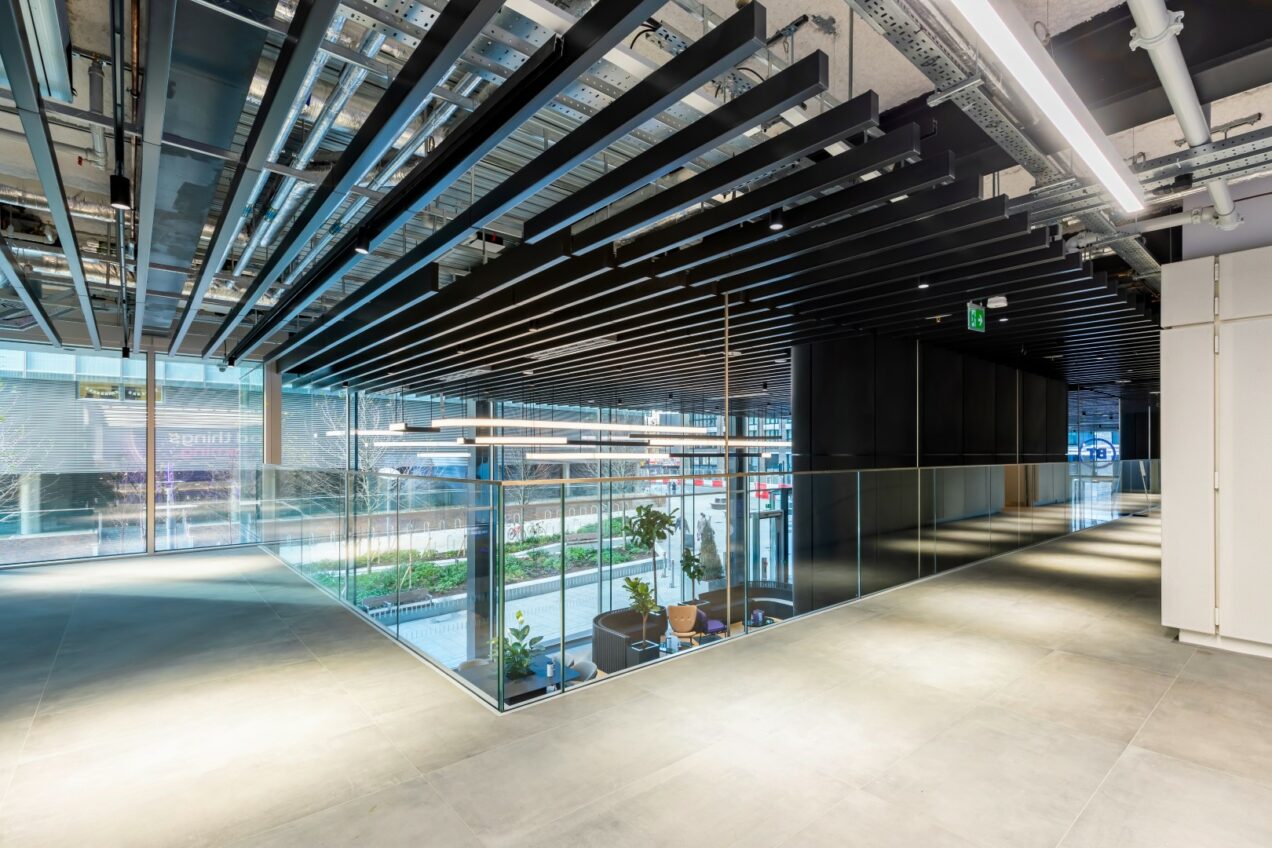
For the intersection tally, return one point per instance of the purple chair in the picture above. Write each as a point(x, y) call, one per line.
point(709, 626)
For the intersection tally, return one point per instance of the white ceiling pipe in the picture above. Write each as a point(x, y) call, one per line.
point(1205, 215)
point(1156, 28)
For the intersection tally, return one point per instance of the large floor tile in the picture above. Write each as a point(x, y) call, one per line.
point(538, 779)
point(1235, 671)
point(1000, 779)
point(1215, 726)
point(734, 792)
point(1150, 800)
point(855, 731)
point(1134, 639)
point(409, 814)
point(863, 820)
point(1086, 694)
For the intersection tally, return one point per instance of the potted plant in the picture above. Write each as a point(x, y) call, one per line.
point(649, 527)
point(518, 651)
point(693, 569)
point(642, 602)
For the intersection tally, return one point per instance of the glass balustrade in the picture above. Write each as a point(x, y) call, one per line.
point(524, 589)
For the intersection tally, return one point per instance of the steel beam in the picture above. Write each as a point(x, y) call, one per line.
point(15, 54)
point(721, 48)
point(459, 23)
point(161, 18)
point(789, 87)
point(11, 273)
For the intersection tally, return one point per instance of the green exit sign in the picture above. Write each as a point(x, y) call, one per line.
point(975, 317)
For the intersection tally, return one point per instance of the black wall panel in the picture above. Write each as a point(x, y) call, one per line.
point(1137, 441)
point(894, 403)
point(1033, 417)
point(941, 403)
point(1006, 418)
point(1057, 420)
point(979, 412)
point(853, 406)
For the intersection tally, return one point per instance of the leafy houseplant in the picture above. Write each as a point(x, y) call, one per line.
point(642, 601)
point(517, 651)
point(691, 566)
point(649, 527)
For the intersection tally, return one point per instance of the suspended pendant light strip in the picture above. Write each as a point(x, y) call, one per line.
point(539, 424)
point(584, 456)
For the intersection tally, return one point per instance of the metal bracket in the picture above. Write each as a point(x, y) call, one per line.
point(1172, 29)
point(966, 84)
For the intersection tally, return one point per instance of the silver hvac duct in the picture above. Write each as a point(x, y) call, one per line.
point(287, 198)
point(306, 88)
point(97, 105)
point(80, 208)
point(1156, 28)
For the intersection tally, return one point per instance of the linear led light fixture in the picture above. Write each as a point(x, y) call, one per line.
point(513, 440)
point(597, 455)
point(389, 432)
point(396, 444)
point(403, 427)
point(443, 455)
point(718, 441)
point(1012, 41)
point(538, 424)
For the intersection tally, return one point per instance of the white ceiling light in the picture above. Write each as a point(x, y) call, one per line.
point(513, 440)
point(998, 301)
point(403, 427)
point(716, 442)
point(597, 455)
point(541, 424)
point(443, 455)
point(1012, 41)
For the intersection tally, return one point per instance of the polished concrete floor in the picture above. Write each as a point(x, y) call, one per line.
point(216, 699)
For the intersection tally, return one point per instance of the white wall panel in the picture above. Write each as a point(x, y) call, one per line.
point(1188, 292)
point(1245, 284)
point(1188, 437)
point(1245, 476)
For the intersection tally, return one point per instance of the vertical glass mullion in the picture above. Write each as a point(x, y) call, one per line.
point(561, 653)
point(496, 497)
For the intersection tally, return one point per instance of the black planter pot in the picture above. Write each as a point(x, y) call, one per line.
point(641, 652)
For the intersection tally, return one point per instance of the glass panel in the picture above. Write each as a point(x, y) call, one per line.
point(207, 432)
point(72, 455)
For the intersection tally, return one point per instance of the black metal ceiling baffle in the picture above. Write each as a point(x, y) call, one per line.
point(491, 286)
point(730, 42)
point(804, 78)
point(455, 27)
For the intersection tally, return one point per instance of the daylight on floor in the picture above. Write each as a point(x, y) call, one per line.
point(635, 422)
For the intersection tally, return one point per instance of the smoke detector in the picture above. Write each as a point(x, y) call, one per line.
point(996, 302)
